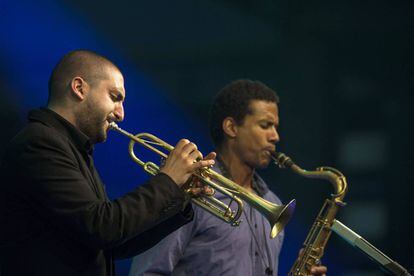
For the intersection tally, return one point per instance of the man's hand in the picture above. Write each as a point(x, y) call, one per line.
point(195, 187)
point(182, 161)
point(318, 270)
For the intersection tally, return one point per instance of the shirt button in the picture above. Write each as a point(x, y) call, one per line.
point(255, 225)
point(256, 253)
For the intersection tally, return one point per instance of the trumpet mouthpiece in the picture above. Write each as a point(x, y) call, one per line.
point(113, 125)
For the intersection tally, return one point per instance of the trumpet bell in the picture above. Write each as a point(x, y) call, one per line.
point(279, 217)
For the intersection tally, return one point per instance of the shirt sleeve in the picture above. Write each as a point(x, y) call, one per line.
point(60, 195)
point(164, 257)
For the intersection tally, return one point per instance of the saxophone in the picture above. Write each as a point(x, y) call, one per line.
point(320, 232)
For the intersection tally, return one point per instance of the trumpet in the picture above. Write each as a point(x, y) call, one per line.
point(277, 215)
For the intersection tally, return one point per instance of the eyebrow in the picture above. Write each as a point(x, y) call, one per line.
point(267, 120)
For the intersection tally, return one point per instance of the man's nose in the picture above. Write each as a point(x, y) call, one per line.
point(119, 112)
point(274, 136)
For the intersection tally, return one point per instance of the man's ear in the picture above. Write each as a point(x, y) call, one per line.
point(229, 126)
point(79, 88)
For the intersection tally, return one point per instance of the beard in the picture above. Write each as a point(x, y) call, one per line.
point(94, 128)
point(93, 123)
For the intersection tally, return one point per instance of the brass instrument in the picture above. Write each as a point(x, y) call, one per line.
point(278, 216)
point(320, 232)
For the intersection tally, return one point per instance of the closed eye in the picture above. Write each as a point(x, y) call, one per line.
point(266, 125)
point(117, 97)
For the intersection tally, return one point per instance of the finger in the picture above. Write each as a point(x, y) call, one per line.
point(189, 148)
point(194, 191)
point(201, 164)
point(200, 191)
point(181, 144)
point(195, 155)
point(211, 155)
point(208, 191)
point(198, 182)
point(319, 270)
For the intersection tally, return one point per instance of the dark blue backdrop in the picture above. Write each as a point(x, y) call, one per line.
point(343, 71)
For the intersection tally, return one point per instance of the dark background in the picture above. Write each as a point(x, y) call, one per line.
point(343, 70)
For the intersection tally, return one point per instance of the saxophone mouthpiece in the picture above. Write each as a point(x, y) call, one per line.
point(281, 160)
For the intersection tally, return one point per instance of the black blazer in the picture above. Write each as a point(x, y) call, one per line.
point(55, 218)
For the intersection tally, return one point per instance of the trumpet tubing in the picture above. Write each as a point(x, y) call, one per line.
point(277, 215)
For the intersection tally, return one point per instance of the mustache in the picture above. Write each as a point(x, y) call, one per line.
point(111, 119)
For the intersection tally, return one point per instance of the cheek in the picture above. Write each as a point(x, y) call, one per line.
point(258, 137)
point(103, 108)
point(251, 146)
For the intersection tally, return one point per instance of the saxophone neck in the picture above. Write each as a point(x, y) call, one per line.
point(334, 176)
point(338, 181)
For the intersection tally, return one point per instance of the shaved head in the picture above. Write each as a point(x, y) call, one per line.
point(88, 65)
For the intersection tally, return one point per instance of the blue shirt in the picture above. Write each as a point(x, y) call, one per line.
point(210, 246)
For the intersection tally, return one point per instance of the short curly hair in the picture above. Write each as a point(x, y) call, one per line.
point(233, 101)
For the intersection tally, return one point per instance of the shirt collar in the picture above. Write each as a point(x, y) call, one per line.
point(51, 118)
point(258, 185)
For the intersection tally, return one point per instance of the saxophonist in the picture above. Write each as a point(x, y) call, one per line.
point(244, 119)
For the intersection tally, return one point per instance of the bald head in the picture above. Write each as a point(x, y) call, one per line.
point(88, 65)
